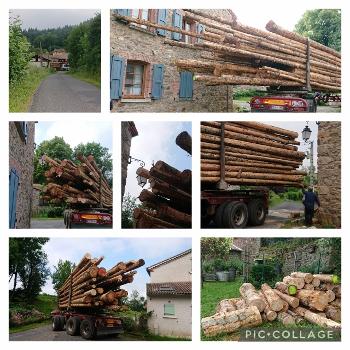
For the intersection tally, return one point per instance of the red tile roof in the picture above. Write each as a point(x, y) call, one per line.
point(169, 288)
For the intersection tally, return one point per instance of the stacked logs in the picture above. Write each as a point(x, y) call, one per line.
point(168, 202)
point(92, 286)
point(76, 184)
point(254, 154)
point(301, 296)
point(236, 54)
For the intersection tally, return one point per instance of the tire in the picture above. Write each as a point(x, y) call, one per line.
point(256, 212)
point(219, 215)
point(87, 329)
point(63, 322)
point(235, 215)
point(57, 325)
point(73, 326)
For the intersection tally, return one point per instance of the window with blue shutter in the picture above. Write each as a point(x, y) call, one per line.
point(117, 74)
point(186, 85)
point(162, 16)
point(157, 81)
point(200, 30)
point(177, 23)
point(13, 188)
point(22, 128)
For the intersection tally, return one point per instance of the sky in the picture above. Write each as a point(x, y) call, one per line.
point(75, 132)
point(298, 127)
point(152, 250)
point(156, 141)
point(43, 19)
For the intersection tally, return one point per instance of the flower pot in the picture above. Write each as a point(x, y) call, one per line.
point(231, 275)
point(209, 277)
point(222, 276)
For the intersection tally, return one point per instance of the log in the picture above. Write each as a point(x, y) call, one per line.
point(330, 295)
point(333, 313)
point(285, 288)
point(226, 305)
point(286, 319)
point(316, 281)
point(269, 314)
point(298, 282)
point(309, 286)
point(316, 319)
point(251, 296)
point(184, 141)
point(292, 301)
point(328, 278)
point(231, 321)
point(308, 277)
point(297, 319)
point(272, 298)
point(314, 300)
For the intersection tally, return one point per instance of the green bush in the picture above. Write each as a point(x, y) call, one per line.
point(208, 266)
point(234, 264)
point(263, 273)
point(294, 195)
point(219, 264)
point(55, 212)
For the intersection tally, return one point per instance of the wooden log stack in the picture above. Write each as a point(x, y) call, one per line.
point(80, 184)
point(168, 201)
point(236, 54)
point(320, 306)
point(254, 154)
point(92, 286)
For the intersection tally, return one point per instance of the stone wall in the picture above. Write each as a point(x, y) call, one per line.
point(135, 43)
point(329, 173)
point(252, 245)
point(128, 131)
point(21, 157)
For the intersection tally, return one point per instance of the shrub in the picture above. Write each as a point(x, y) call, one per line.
point(208, 266)
point(263, 273)
point(55, 212)
point(219, 264)
point(234, 264)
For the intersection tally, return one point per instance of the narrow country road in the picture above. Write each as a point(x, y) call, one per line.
point(60, 92)
point(52, 223)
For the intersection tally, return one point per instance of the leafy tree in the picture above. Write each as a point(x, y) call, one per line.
point(54, 148)
point(28, 265)
point(61, 273)
point(215, 247)
point(135, 302)
point(101, 154)
point(128, 206)
point(323, 26)
point(19, 52)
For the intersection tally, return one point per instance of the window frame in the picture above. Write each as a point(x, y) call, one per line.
point(168, 314)
point(193, 29)
point(143, 84)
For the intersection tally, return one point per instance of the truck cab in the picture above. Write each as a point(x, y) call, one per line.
point(88, 218)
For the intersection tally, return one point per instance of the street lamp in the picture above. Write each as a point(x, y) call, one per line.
point(306, 133)
point(141, 180)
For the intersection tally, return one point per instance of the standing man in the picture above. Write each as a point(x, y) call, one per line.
point(309, 200)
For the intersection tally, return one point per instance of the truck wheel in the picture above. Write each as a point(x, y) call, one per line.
point(88, 329)
point(235, 215)
point(57, 324)
point(63, 322)
point(73, 325)
point(256, 212)
point(219, 215)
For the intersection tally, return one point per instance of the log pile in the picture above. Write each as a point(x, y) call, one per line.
point(236, 54)
point(167, 204)
point(92, 286)
point(320, 305)
point(76, 184)
point(251, 154)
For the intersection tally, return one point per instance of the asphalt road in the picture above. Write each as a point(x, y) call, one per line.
point(44, 333)
point(60, 92)
point(52, 223)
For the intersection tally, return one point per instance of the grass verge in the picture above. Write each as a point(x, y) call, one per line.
point(21, 94)
point(91, 78)
point(29, 326)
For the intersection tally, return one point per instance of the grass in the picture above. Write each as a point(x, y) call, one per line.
point(21, 93)
point(91, 78)
point(29, 326)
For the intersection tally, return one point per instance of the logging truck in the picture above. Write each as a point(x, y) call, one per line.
point(87, 218)
point(87, 325)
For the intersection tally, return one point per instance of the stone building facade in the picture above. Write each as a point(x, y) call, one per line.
point(144, 77)
point(21, 168)
point(329, 173)
point(250, 248)
point(128, 132)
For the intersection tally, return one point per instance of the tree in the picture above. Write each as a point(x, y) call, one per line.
point(28, 265)
point(101, 154)
point(215, 247)
point(323, 26)
point(19, 52)
point(136, 302)
point(55, 148)
point(128, 206)
point(61, 273)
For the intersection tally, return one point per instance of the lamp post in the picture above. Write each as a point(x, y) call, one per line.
point(306, 134)
point(141, 180)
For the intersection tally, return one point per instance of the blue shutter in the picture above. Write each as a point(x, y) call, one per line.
point(177, 23)
point(13, 187)
point(157, 81)
point(186, 85)
point(162, 16)
point(200, 30)
point(117, 74)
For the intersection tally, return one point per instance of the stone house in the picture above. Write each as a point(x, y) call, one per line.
point(169, 296)
point(128, 132)
point(329, 173)
point(21, 168)
point(143, 77)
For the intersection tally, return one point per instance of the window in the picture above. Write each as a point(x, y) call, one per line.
point(189, 26)
point(134, 79)
point(169, 309)
point(140, 14)
point(22, 128)
point(186, 85)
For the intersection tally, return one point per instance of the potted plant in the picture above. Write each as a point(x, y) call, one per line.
point(208, 271)
point(234, 267)
point(221, 270)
